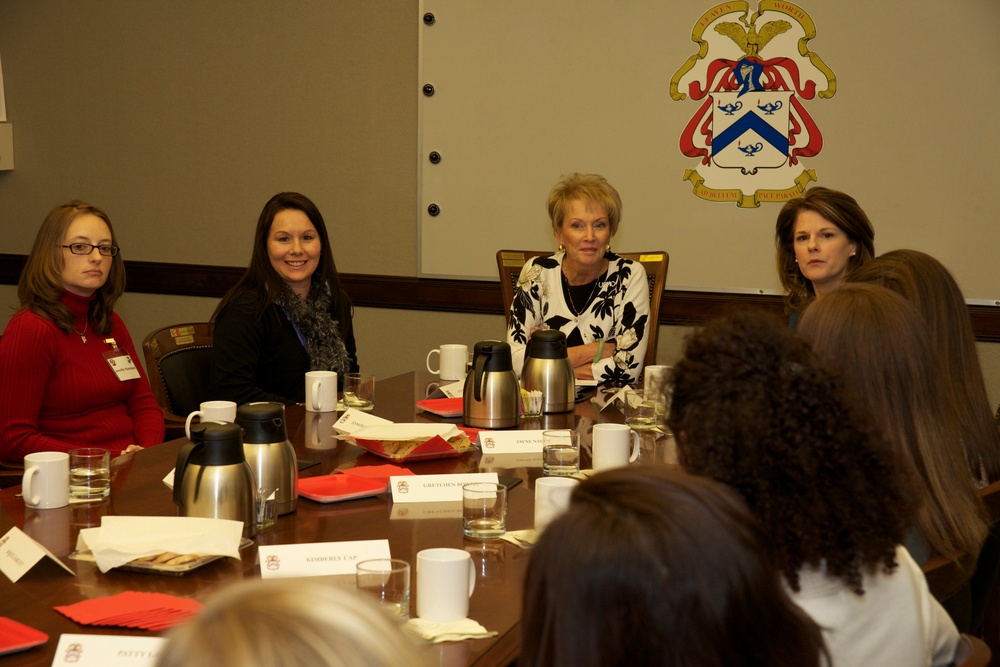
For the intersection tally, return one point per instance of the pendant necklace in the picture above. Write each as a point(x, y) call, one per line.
point(569, 294)
point(82, 334)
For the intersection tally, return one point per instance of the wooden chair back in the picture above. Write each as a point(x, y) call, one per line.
point(510, 262)
point(178, 364)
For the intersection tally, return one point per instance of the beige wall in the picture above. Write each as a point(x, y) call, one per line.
point(181, 118)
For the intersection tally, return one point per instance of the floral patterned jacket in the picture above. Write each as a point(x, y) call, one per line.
point(619, 313)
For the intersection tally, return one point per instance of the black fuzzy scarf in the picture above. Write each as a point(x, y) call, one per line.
point(311, 316)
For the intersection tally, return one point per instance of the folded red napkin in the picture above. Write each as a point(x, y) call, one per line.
point(16, 636)
point(131, 609)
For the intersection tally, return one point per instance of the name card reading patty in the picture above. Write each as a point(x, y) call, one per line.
point(107, 650)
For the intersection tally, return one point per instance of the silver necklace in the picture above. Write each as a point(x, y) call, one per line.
point(569, 293)
point(82, 334)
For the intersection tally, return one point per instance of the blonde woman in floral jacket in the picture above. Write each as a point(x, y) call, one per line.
point(598, 299)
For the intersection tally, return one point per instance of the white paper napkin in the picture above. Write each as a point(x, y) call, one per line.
point(418, 431)
point(453, 631)
point(121, 539)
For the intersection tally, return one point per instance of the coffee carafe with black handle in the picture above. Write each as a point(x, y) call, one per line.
point(212, 478)
point(547, 368)
point(492, 395)
point(270, 455)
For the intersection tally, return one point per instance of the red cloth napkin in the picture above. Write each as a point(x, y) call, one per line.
point(144, 611)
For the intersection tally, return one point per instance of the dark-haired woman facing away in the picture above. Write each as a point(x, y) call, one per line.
point(754, 408)
point(929, 286)
point(287, 314)
point(64, 378)
point(878, 342)
point(650, 566)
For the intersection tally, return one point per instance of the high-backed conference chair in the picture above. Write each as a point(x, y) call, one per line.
point(509, 263)
point(178, 361)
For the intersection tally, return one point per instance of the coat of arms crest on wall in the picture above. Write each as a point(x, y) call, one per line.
point(752, 76)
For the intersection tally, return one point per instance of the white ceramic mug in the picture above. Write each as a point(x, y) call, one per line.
point(445, 581)
point(321, 391)
point(655, 376)
point(611, 446)
point(211, 411)
point(453, 359)
point(46, 480)
point(552, 498)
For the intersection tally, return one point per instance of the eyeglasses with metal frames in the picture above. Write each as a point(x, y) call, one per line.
point(88, 248)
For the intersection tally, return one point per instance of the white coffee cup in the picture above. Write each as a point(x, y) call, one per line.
point(551, 498)
point(445, 581)
point(212, 411)
point(453, 359)
point(655, 376)
point(46, 480)
point(319, 430)
point(321, 391)
point(611, 446)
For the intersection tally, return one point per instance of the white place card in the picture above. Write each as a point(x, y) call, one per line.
point(107, 651)
point(412, 511)
point(19, 553)
point(515, 460)
point(354, 420)
point(451, 390)
point(510, 442)
point(434, 488)
point(318, 559)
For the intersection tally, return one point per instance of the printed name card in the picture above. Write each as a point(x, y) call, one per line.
point(434, 488)
point(525, 460)
point(510, 442)
point(107, 651)
point(354, 420)
point(317, 559)
point(452, 390)
point(19, 553)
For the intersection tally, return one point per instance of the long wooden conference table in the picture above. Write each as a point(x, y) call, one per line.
point(138, 490)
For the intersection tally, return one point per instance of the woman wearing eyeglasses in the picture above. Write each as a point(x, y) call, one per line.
point(69, 374)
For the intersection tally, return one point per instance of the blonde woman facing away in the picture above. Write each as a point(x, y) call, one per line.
point(289, 624)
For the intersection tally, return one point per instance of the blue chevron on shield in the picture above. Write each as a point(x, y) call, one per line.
point(750, 129)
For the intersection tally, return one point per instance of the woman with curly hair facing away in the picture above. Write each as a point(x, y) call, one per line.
point(820, 238)
point(754, 408)
point(598, 299)
point(881, 347)
point(929, 286)
point(674, 571)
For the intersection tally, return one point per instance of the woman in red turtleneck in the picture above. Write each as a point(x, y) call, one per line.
point(67, 377)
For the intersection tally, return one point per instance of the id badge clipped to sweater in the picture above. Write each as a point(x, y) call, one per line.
point(120, 361)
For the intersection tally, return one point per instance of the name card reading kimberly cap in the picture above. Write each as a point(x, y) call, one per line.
point(434, 488)
point(317, 559)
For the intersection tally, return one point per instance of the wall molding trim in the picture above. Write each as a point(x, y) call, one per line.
point(678, 308)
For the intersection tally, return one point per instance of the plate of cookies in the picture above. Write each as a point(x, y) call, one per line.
point(412, 442)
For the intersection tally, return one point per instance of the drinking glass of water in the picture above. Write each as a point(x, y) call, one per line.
point(89, 473)
point(388, 581)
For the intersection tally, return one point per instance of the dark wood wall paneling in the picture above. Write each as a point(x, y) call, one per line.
point(458, 296)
